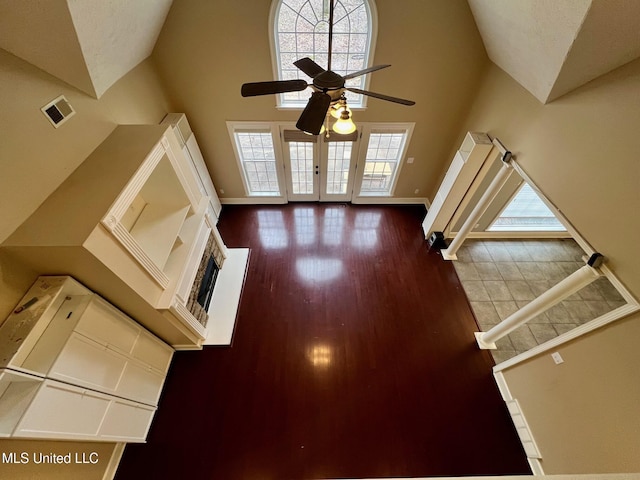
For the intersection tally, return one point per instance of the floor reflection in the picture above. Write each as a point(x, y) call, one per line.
point(317, 269)
point(271, 229)
point(320, 355)
point(333, 226)
point(305, 225)
point(365, 229)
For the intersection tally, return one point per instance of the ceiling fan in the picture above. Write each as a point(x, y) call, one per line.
point(328, 87)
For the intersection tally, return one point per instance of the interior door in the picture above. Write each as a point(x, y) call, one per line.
point(318, 168)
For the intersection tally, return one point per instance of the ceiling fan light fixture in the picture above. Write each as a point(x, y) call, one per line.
point(337, 109)
point(344, 125)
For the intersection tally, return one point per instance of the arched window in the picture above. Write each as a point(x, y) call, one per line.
point(301, 28)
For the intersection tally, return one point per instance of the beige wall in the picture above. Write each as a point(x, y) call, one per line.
point(584, 412)
point(582, 151)
point(207, 50)
point(34, 156)
point(34, 159)
point(100, 453)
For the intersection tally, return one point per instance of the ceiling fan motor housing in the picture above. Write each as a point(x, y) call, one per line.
point(329, 80)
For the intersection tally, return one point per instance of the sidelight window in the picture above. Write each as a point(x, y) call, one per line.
point(382, 160)
point(256, 153)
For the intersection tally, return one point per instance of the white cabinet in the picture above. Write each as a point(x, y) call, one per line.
point(63, 411)
point(463, 169)
point(190, 147)
point(80, 369)
point(17, 390)
point(131, 223)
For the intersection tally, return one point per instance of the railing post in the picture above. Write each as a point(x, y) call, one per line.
point(482, 205)
point(567, 287)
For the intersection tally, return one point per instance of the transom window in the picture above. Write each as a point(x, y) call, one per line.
point(301, 29)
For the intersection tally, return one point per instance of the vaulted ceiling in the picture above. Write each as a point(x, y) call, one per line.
point(550, 47)
point(90, 44)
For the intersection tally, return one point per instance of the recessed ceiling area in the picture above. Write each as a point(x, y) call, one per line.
point(89, 44)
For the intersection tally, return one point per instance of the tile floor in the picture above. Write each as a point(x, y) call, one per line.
point(500, 276)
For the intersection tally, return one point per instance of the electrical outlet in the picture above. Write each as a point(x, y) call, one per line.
point(557, 358)
point(410, 160)
point(417, 190)
point(221, 192)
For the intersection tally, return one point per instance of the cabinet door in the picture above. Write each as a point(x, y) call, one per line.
point(87, 363)
point(104, 324)
point(126, 422)
point(141, 383)
point(63, 411)
point(152, 351)
point(203, 173)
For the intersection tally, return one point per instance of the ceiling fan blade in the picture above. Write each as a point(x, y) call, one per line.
point(266, 88)
point(314, 113)
point(381, 96)
point(309, 67)
point(366, 70)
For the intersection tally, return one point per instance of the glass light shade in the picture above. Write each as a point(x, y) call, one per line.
point(337, 110)
point(344, 125)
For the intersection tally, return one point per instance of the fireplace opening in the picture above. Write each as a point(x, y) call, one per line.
point(205, 281)
point(208, 282)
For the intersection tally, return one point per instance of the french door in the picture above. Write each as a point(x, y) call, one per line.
point(317, 168)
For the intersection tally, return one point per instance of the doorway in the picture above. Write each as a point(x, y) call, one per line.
point(317, 168)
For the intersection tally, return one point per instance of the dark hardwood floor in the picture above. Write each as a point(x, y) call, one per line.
point(353, 356)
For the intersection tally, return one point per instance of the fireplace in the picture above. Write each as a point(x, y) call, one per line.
point(205, 281)
point(208, 282)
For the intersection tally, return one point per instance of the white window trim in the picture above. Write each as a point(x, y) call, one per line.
point(361, 145)
point(367, 129)
point(272, 127)
point(273, 15)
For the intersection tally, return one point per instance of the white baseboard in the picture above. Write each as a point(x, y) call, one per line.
point(390, 201)
point(254, 201)
point(507, 235)
point(357, 200)
point(522, 427)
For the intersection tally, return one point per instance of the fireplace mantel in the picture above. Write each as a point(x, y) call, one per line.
point(131, 223)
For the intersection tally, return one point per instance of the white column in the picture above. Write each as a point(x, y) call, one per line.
point(567, 287)
point(482, 205)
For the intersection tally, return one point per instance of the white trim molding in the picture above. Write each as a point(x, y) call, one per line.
point(520, 423)
point(365, 200)
point(253, 201)
point(513, 235)
point(554, 343)
point(356, 201)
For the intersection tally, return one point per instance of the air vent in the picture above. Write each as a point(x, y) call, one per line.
point(58, 111)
